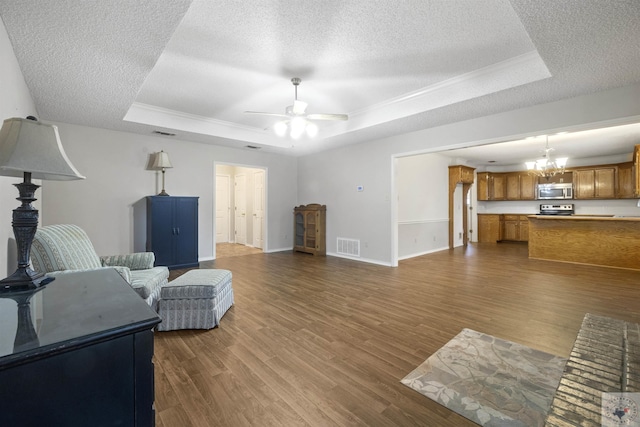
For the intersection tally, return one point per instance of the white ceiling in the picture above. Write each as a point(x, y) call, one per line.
point(193, 67)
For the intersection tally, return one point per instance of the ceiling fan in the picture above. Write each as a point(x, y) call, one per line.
point(296, 119)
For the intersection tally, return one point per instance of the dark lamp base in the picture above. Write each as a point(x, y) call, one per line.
point(22, 280)
point(163, 193)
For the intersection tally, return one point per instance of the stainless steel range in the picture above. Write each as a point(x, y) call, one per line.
point(559, 209)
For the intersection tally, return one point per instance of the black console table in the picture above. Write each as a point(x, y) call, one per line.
point(77, 353)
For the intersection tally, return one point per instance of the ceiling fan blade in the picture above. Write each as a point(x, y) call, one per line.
point(267, 114)
point(299, 107)
point(321, 116)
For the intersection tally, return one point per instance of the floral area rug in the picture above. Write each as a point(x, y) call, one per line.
point(490, 381)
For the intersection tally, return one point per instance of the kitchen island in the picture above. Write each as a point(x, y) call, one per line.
point(609, 241)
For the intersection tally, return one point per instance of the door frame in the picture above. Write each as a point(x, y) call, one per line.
point(228, 215)
point(265, 228)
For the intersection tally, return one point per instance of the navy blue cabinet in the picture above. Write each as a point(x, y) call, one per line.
point(172, 230)
point(82, 354)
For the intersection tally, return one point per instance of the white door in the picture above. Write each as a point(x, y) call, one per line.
point(241, 208)
point(258, 208)
point(223, 208)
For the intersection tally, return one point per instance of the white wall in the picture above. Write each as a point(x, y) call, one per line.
point(107, 204)
point(423, 220)
point(15, 101)
point(331, 177)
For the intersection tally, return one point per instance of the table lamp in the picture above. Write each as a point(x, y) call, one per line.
point(161, 162)
point(30, 149)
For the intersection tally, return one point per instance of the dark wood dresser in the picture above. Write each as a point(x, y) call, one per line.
point(77, 352)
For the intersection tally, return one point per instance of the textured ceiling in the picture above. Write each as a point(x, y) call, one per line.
point(193, 67)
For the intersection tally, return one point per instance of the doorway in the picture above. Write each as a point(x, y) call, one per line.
point(240, 211)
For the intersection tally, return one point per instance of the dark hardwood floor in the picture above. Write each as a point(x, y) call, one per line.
point(324, 341)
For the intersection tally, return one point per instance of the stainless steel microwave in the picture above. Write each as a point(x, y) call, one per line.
point(555, 191)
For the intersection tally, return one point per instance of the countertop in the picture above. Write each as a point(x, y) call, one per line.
point(586, 217)
point(506, 213)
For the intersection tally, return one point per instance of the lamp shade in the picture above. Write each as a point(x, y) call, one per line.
point(161, 161)
point(30, 146)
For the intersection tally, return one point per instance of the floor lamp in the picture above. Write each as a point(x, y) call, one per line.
point(31, 150)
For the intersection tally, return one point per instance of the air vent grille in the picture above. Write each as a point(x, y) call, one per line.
point(163, 133)
point(349, 247)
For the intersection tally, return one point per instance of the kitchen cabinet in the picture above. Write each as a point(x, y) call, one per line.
point(595, 183)
point(626, 181)
point(513, 186)
point(482, 186)
point(520, 186)
point(172, 230)
point(503, 227)
point(515, 228)
point(610, 181)
point(461, 174)
point(527, 186)
point(489, 228)
point(498, 187)
point(491, 186)
point(310, 229)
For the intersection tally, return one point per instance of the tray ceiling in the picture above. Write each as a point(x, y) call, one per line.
point(193, 67)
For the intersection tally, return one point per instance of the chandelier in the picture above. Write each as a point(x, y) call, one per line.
point(547, 166)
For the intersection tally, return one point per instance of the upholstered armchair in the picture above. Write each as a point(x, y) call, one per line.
point(59, 249)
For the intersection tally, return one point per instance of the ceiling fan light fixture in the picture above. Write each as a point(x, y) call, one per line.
point(280, 128)
point(298, 126)
point(296, 121)
point(312, 130)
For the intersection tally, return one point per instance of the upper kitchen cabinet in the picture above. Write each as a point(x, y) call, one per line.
point(491, 186)
point(595, 183)
point(482, 185)
point(626, 188)
point(520, 186)
point(608, 181)
point(461, 174)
